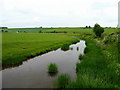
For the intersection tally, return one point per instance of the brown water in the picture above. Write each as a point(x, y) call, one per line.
point(33, 73)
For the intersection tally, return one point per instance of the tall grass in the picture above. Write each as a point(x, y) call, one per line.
point(62, 81)
point(52, 68)
point(100, 69)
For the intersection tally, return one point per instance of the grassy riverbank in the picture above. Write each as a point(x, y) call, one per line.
point(18, 47)
point(100, 67)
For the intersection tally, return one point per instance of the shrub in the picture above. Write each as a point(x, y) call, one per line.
point(98, 30)
point(52, 68)
point(40, 31)
point(65, 47)
point(62, 80)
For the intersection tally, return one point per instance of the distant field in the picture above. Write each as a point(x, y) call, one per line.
point(68, 30)
point(82, 30)
point(26, 29)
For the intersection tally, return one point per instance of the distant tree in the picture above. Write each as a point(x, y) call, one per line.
point(98, 30)
point(86, 27)
point(3, 27)
point(89, 26)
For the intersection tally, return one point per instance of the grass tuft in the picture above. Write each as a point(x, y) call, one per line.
point(52, 68)
point(62, 81)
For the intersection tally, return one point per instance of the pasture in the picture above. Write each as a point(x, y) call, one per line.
point(21, 46)
point(26, 29)
point(100, 67)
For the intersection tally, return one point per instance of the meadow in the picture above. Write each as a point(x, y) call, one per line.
point(100, 67)
point(18, 47)
point(26, 29)
point(81, 30)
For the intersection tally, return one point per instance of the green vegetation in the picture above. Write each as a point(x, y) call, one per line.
point(26, 29)
point(52, 68)
point(98, 30)
point(101, 66)
point(82, 31)
point(99, 69)
point(65, 47)
point(18, 47)
point(86, 50)
point(62, 81)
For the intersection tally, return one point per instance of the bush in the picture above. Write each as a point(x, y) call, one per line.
point(98, 30)
point(65, 47)
point(52, 68)
point(62, 81)
point(40, 31)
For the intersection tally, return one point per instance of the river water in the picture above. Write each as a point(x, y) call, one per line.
point(33, 73)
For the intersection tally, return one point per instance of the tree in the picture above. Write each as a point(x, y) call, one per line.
point(86, 27)
point(89, 26)
point(98, 30)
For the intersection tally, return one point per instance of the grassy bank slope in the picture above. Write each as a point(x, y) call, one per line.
point(21, 46)
point(100, 67)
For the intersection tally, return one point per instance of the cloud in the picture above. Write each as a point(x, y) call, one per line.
point(27, 13)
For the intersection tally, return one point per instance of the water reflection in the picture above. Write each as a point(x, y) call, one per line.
point(33, 73)
point(52, 74)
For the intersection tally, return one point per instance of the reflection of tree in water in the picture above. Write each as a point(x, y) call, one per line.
point(71, 48)
point(77, 48)
point(52, 74)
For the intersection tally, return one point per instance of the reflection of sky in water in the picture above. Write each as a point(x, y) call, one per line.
point(78, 48)
point(33, 73)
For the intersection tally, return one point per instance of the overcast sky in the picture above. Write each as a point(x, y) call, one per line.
point(61, 13)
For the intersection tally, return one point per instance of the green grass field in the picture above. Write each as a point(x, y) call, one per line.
point(26, 29)
point(19, 46)
point(100, 67)
point(68, 30)
point(82, 30)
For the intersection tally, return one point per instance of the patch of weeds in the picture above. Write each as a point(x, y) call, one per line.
point(52, 68)
point(62, 81)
